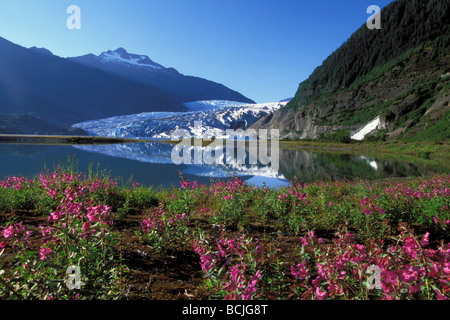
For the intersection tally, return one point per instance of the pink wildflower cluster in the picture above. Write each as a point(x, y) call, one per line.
point(204, 210)
point(340, 269)
point(56, 183)
point(44, 252)
point(17, 183)
point(229, 187)
point(159, 220)
point(427, 189)
point(73, 194)
point(74, 205)
point(13, 231)
point(237, 258)
point(186, 184)
point(368, 206)
point(153, 221)
point(294, 196)
point(75, 228)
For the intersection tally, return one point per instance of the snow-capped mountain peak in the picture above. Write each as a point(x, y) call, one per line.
point(141, 69)
point(120, 55)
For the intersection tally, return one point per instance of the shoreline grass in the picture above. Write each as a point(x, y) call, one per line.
point(426, 150)
point(62, 139)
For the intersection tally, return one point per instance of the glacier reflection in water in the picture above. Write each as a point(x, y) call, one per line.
point(150, 163)
point(161, 153)
point(299, 165)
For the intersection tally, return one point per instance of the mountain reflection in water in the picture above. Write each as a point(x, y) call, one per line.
point(150, 163)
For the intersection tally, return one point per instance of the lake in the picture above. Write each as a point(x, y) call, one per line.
point(150, 163)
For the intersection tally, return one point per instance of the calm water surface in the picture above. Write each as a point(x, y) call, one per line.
point(151, 164)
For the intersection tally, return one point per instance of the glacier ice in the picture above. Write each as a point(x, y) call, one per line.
point(216, 116)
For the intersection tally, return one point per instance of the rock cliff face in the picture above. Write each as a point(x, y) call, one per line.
point(403, 79)
point(292, 124)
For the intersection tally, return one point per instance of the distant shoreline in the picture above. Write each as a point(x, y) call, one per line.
point(62, 139)
point(428, 150)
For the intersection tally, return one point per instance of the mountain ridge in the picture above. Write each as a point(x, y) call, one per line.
point(142, 69)
point(397, 73)
point(57, 92)
point(66, 92)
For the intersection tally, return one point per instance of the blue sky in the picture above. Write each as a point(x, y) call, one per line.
point(261, 48)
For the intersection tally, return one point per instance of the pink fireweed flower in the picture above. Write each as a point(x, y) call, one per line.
point(446, 268)
point(311, 234)
point(28, 235)
point(368, 207)
point(300, 271)
point(185, 184)
point(97, 213)
point(235, 274)
point(425, 240)
point(410, 274)
point(86, 227)
point(44, 252)
point(323, 271)
point(54, 216)
point(335, 290)
point(251, 287)
point(440, 296)
point(206, 262)
point(12, 230)
point(304, 241)
point(70, 194)
point(8, 232)
point(411, 247)
point(321, 295)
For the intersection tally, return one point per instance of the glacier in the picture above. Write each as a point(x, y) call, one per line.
point(216, 116)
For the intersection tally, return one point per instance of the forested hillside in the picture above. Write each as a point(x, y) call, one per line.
point(400, 73)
